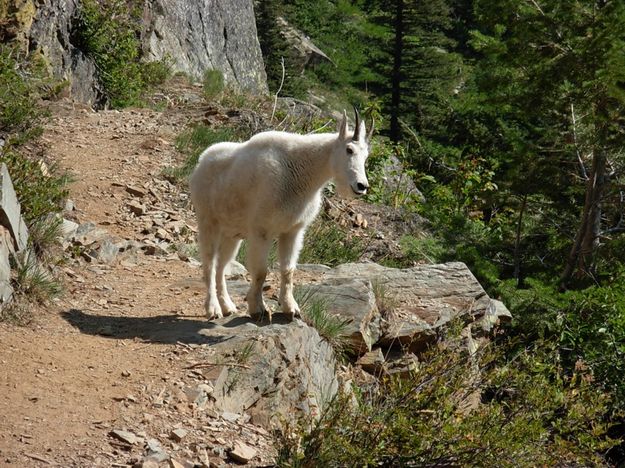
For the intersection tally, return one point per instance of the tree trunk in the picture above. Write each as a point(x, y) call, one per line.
point(517, 242)
point(581, 261)
point(396, 79)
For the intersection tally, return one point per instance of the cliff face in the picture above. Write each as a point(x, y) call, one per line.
point(206, 34)
point(195, 35)
point(52, 34)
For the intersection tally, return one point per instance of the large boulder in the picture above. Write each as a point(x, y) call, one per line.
point(425, 300)
point(195, 35)
point(274, 373)
point(52, 34)
point(199, 35)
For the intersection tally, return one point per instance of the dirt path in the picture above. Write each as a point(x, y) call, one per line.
point(95, 358)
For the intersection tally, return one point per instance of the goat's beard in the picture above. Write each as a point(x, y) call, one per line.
point(344, 191)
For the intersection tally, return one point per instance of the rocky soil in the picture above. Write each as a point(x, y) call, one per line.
point(106, 375)
point(123, 370)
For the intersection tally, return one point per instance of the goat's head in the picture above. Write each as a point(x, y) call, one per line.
point(350, 155)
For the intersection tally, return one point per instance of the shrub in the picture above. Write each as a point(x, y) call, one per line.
point(41, 190)
point(19, 114)
point(108, 32)
point(329, 244)
point(457, 411)
point(192, 142)
point(213, 83)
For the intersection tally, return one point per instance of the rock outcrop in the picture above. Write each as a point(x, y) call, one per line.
point(206, 34)
point(13, 233)
point(194, 35)
point(303, 51)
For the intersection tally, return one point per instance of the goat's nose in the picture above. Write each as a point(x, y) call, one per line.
point(362, 188)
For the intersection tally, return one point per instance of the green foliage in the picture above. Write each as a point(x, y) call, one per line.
point(425, 249)
point(481, 411)
point(213, 83)
point(331, 328)
point(109, 33)
point(19, 113)
point(192, 142)
point(34, 280)
point(327, 243)
point(39, 193)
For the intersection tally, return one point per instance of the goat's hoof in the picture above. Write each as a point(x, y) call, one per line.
point(260, 316)
point(212, 311)
point(228, 308)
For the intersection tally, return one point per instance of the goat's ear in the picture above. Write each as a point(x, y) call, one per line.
point(342, 126)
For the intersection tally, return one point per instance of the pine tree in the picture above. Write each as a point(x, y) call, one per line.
point(415, 65)
point(556, 71)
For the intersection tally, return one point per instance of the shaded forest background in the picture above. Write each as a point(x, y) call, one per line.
point(508, 115)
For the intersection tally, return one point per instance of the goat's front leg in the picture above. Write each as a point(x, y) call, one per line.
point(289, 246)
point(258, 248)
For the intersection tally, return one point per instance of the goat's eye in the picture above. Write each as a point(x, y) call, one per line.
point(350, 150)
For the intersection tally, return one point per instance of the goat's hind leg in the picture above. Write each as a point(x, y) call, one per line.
point(228, 248)
point(258, 249)
point(209, 243)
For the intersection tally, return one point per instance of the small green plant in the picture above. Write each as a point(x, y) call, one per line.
point(329, 244)
point(213, 83)
point(32, 279)
point(191, 143)
point(384, 300)
point(315, 313)
point(242, 356)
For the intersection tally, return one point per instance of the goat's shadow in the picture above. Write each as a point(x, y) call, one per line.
point(165, 329)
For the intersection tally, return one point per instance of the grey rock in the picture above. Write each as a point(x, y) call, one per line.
point(68, 229)
point(231, 417)
point(289, 371)
point(125, 436)
point(200, 35)
point(235, 270)
point(52, 34)
point(6, 248)
point(11, 212)
point(313, 267)
point(372, 362)
point(242, 453)
point(353, 301)
point(402, 365)
point(427, 298)
point(107, 251)
point(178, 434)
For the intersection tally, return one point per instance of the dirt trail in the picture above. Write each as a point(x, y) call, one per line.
point(94, 356)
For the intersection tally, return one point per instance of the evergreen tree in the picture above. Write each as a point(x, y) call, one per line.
point(415, 66)
point(556, 71)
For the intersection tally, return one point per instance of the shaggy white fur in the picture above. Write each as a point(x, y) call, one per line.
point(266, 188)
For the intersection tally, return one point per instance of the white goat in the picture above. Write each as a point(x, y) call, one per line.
point(265, 188)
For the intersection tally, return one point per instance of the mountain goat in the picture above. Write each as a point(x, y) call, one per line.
point(266, 188)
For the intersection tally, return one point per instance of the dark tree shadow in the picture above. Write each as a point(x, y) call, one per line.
point(165, 329)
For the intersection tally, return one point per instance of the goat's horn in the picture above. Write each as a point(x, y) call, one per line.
point(370, 132)
point(356, 136)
